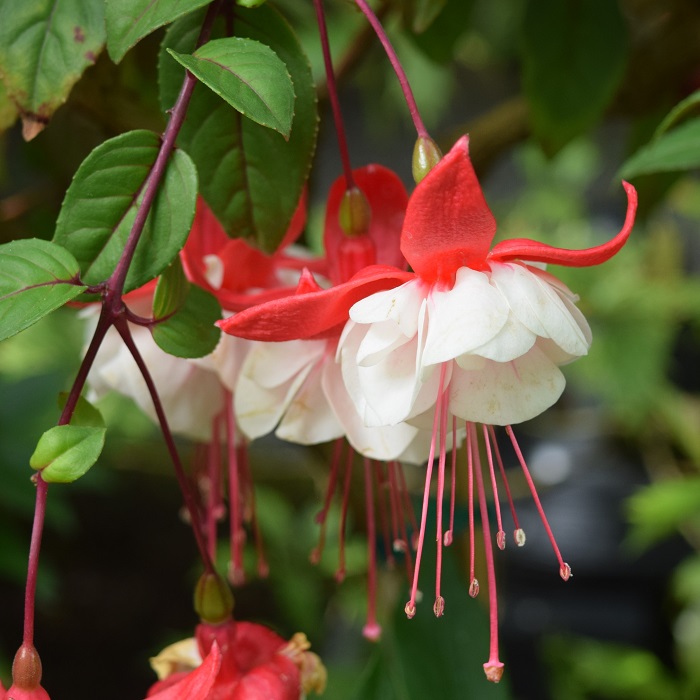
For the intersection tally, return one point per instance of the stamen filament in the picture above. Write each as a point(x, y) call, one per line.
point(564, 568)
point(500, 535)
point(519, 534)
point(449, 535)
point(381, 484)
point(340, 573)
point(322, 515)
point(236, 574)
point(439, 606)
point(371, 629)
point(493, 667)
point(473, 582)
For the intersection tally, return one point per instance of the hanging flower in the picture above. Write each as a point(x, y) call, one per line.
point(474, 333)
point(237, 661)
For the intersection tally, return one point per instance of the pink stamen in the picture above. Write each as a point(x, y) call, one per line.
point(371, 630)
point(493, 667)
point(519, 533)
point(381, 484)
point(410, 607)
point(262, 566)
point(564, 568)
point(408, 509)
point(500, 535)
point(398, 544)
point(473, 583)
point(439, 606)
point(401, 544)
point(236, 573)
point(322, 515)
point(449, 535)
point(340, 573)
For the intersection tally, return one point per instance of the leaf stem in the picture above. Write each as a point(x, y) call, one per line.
point(332, 88)
point(396, 64)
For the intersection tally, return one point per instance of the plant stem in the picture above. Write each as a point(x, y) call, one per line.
point(190, 503)
point(396, 64)
point(333, 95)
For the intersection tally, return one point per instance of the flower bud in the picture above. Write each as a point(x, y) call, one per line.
point(26, 676)
point(426, 155)
point(354, 213)
point(213, 600)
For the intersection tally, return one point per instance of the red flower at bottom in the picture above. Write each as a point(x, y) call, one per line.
point(237, 661)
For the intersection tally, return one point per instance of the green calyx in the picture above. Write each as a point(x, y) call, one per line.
point(213, 599)
point(426, 155)
point(354, 213)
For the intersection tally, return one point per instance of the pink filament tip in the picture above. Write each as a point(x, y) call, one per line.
point(519, 537)
point(448, 539)
point(439, 606)
point(474, 588)
point(340, 575)
point(410, 610)
point(400, 545)
point(315, 556)
point(236, 575)
point(493, 671)
point(263, 569)
point(501, 539)
point(565, 572)
point(372, 631)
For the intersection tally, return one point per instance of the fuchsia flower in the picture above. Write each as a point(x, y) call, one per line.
point(237, 661)
point(474, 333)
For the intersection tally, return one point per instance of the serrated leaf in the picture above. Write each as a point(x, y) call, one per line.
point(249, 76)
point(36, 277)
point(574, 55)
point(678, 149)
point(171, 291)
point(66, 452)
point(100, 206)
point(45, 46)
point(191, 331)
point(84, 414)
point(128, 21)
point(249, 175)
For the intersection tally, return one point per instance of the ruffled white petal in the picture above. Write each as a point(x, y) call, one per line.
point(506, 393)
point(462, 318)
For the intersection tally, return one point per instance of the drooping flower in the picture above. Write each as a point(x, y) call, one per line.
point(237, 661)
point(474, 333)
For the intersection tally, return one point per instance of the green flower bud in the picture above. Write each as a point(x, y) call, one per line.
point(354, 213)
point(213, 599)
point(426, 155)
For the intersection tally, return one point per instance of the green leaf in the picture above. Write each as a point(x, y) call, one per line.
point(36, 277)
point(191, 331)
point(85, 414)
point(45, 46)
point(66, 452)
point(657, 510)
point(8, 109)
point(171, 291)
point(249, 76)
point(249, 175)
point(574, 55)
point(101, 204)
point(678, 113)
point(678, 149)
point(128, 21)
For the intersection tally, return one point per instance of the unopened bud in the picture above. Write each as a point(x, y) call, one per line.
point(565, 572)
point(439, 606)
point(519, 536)
point(426, 155)
point(474, 588)
point(213, 600)
point(354, 213)
point(26, 668)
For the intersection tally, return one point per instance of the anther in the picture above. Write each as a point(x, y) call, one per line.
point(439, 606)
point(565, 572)
point(410, 610)
point(501, 539)
point(447, 538)
point(474, 588)
point(519, 536)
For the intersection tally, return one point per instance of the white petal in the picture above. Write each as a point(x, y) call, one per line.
point(226, 359)
point(310, 419)
point(513, 340)
point(213, 270)
point(400, 305)
point(385, 443)
point(274, 364)
point(538, 303)
point(381, 338)
point(506, 393)
point(462, 318)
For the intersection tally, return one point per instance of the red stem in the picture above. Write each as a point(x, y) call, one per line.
point(396, 64)
point(333, 95)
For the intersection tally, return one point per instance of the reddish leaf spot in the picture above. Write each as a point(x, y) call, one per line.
point(90, 56)
point(78, 34)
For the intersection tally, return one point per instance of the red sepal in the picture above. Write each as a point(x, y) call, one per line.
point(387, 199)
point(448, 224)
point(316, 314)
point(277, 679)
point(195, 685)
point(533, 251)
